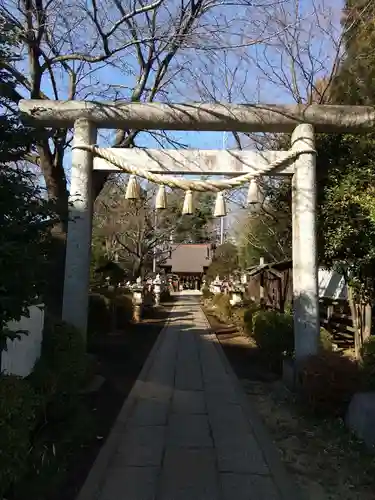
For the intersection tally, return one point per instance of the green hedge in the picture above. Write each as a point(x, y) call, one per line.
point(273, 333)
point(99, 314)
point(50, 393)
point(109, 309)
point(19, 406)
point(327, 383)
point(223, 306)
point(206, 293)
point(368, 363)
point(63, 357)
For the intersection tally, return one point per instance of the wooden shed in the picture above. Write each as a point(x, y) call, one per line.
point(271, 284)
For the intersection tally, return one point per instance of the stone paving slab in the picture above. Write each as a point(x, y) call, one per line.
point(186, 431)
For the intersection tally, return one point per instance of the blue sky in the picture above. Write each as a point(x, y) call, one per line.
point(245, 74)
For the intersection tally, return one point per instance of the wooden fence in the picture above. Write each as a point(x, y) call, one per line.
point(336, 317)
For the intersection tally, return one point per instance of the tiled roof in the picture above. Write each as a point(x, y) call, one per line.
point(189, 258)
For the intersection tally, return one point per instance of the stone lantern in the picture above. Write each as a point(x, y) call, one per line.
point(216, 285)
point(137, 300)
point(157, 289)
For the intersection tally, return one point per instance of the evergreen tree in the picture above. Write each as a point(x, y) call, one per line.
point(25, 216)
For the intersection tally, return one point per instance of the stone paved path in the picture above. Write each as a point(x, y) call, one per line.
point(186, 432)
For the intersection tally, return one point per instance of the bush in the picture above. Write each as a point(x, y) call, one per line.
point(368, 363)
point(206, 293)
point(325, 340)
point(99, 315)
point(18, 412)
point(248, 317)
point(124, 310)
point(327, 383)
point(63, 366)
point(165, 295)
point(273, 333)
point(223, 305)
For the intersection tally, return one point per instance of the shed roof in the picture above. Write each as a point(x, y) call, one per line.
point(190, 258)
point(278, 266)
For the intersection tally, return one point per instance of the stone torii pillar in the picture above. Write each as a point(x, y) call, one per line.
point(305, 266)
point(78, 245)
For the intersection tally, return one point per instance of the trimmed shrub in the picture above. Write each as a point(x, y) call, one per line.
point(250, 311)
point(206, 293)
point(327, 383)
point(325, 340)
point(165, 295)
point(63, 366)
point(18, 413)
point(273, 333)
point(368, 363)
point(124, 310)
point(223, 305)
point(99, 315)
point(217, 298)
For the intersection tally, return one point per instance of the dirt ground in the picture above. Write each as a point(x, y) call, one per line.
point(324, 458)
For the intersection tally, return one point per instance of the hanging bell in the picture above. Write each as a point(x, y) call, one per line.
point(161, 199)
point(220, 205)
point(187, 208)
point(132, 190)
point(254, 196)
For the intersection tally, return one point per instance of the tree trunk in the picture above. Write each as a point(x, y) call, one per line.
point(56, 187)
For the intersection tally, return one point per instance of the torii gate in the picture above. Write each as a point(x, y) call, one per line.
point(87, 117)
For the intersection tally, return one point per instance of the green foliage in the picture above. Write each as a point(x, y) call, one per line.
point(248, 318)
point(48, 399)
point(347, 217)
point(327, 383)
point(99, 314)
point(18, 413)
point(63, 366)
point(165, 295)
point(273, 333)
point(224, 262)
point(223, 306)
point(325, 340)
point(25, 243)
point(368, 363)
point(124, 309)
point(198, 227)
point(25, 215)
point(206, 293)
point(346, 163)
point(354, 82)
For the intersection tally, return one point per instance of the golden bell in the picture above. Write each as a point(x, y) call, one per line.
point(132, 189)
point(254, 196)
point(187, 208)
point(161, 199)
point(220, 206)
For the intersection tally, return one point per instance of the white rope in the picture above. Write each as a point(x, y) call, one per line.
point(186, 185)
